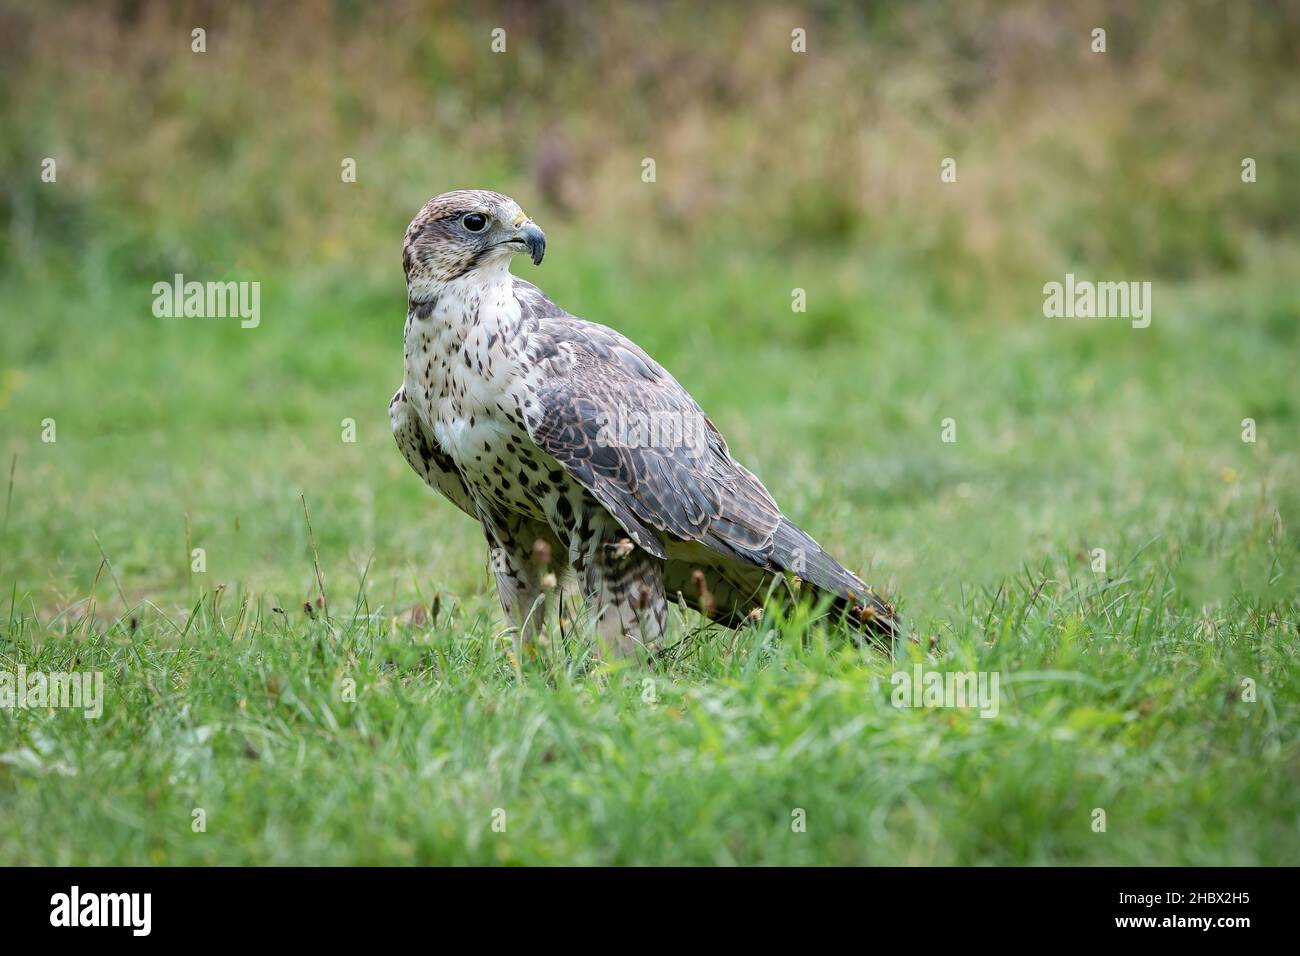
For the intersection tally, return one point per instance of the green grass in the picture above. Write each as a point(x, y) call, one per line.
point(1121, 690)
point(1124, 690)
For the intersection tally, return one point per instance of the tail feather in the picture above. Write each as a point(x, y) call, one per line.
point(795, 551)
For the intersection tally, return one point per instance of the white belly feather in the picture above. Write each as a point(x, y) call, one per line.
point(465, 378)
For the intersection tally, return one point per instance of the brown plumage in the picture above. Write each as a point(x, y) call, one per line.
point(555, 431)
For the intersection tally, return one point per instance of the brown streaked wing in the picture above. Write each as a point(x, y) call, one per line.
point(596, 383)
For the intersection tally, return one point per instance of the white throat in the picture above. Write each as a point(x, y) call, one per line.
point(494, 271)
point(459, 329)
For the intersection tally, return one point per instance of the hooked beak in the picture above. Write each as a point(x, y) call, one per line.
point(534, 240)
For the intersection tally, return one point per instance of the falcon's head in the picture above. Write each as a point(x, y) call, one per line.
point(464, 230)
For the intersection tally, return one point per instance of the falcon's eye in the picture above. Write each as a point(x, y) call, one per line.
point(475, 222)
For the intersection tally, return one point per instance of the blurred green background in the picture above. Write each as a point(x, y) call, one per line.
point(775, 171)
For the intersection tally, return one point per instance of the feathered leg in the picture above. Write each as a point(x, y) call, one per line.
point(523, 552)
point(624, 586)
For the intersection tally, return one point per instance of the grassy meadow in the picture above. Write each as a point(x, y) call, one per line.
point(1156, 683)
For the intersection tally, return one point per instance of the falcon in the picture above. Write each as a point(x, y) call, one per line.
point(586, 464)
